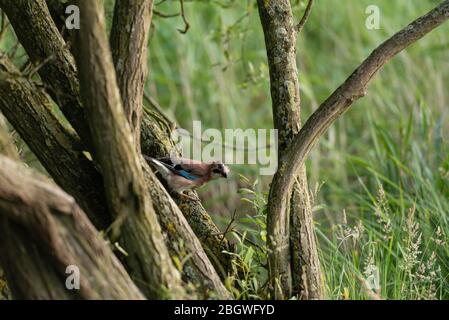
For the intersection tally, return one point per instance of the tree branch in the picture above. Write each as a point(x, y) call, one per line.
point(294, 266)
point(57, 148)
point(128, 199)
point(305, 17)
point(182, 242)
point(339, 101)
point(45, 43)
point(129, 42)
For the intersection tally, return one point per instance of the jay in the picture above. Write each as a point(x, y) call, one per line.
point(183, 174)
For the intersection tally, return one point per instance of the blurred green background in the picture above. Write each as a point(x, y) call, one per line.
point(379, 178)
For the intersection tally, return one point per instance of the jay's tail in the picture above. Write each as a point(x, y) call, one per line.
point(160, 166)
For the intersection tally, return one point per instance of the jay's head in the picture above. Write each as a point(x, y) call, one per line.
point(218, 170)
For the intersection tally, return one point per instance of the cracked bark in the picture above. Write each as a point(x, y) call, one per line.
point(57, 147)
point(155, 139)
point(293, 259)
point(129, 42)
point(135, 225)
point(42, 232)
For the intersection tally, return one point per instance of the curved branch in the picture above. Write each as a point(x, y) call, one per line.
point(184, 19)
point(338, 102)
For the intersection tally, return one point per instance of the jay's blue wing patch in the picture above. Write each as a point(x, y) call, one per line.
point(186, 175)
point(178, 169)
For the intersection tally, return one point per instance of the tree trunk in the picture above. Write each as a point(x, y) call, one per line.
point(129, 42)
point(43, 231)
point(293, 259)
point(338, 102)
point(57, 147)
point(155, 140)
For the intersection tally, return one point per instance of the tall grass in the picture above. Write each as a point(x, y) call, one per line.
point(382, 209)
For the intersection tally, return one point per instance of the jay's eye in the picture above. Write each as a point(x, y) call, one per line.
point(216, 171)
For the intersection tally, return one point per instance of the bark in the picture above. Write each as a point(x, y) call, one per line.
point(58, 148)
point(339, 101)
point(156, 142)
point(294, 265)
point(136, 224)
point(42, 232)
point(129, 42)
point(51, 57)
point(96, 190)
point(7, 148)
point(129, 37)
point(184, 244)
point(48, 43)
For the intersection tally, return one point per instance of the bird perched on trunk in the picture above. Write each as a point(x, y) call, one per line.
point(183, 174)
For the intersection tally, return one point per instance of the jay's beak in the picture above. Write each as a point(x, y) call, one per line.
point(225, 175)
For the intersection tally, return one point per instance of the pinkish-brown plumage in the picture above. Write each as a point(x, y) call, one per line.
point(184, 174)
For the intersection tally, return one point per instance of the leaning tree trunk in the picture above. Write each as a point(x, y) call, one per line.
point(33, 108)
point(135, 226)
point(43, 231)
point(45, 44)
point(129, 42)
point(293, 259)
